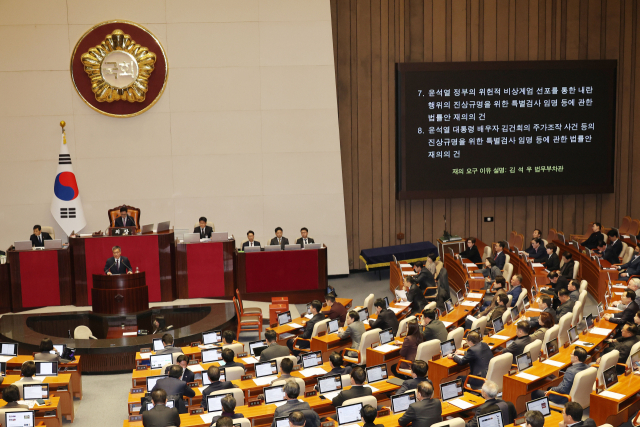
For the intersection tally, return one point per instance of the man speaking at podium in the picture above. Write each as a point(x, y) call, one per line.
point(117, 264)
point(124, 220)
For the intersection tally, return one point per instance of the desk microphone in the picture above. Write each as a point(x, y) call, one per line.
point(108, 269)
point(130, 268)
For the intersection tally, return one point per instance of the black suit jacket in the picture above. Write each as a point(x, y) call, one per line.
point(352, 393)
point(500, 260)
point(552, 263)
point(478, 358)
point(424, 413)
point(273, 351)
point(111, 266)
point(300, 241)
point(613, 251)
point(188, 376)
point(130, 222)
point(214, 386)
point(245, 244)
point(161, 416)
point(35, 241)
point(424, 280)
point(411, 384)
point(175, 387)
point(207, 232)
point(472, 255)
point(516, 348)
point(539, 255)
point(308, 328)
point(416, 297)
point(567, 270)
point(386, 319)
point(283, 242)
point(493, 405)
point(435, 330)
point(565, 308)
point(632, 267)
point(626, 316)
point(592, 241)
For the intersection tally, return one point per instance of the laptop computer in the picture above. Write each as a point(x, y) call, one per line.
point(46, 369)
point(448, 305)
point(284, 318)
point(147, 228)
point(151, 381)
point(20, 419)
point(211, 337)
point(589, 321)
point(311, 359)
point(552, 348)
point(282, 421)
point(8, 349)
point(477, 330)
point(272, 248)
point(498, 325)
point(214, 403)
point(157, 344)
point(264, 369)
point(514, 314)
point(523, 361)
point(600, 310)
point(610, 377)
point(447, 347)
point(192, 237)
point(211, 355)
point(401, 402)
point(293, 247)
point(252, 248)
point(364, 314)
point(386, 336)
point(526, 302)
point(163, 226)
point(634, 362)
point(541, 405)
point(35, 391)
point(313, 246)
point(255, 344)
point(349, 414)
point(573, 335)
point(221, 236)
point(22, 245)
point(206, 380)
point(157, 361)
point(451, 390)
point(53, 244)
point(376, 373)
point(274, 394)
point(492, 419)
point(333, 326)
point(60, 347)
point(329, 384)
point(171, 403)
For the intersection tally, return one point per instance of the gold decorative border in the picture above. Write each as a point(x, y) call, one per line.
point(164, 54)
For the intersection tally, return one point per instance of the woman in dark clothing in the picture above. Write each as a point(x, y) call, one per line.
point(471, 253)
point(409, 347)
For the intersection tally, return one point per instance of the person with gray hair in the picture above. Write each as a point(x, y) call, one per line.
point(117, 264)
point(634, 285)
point(489, 392)
point(228, 409)
point(291, 393)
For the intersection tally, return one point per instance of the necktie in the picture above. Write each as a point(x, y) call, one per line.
point(118, 264)
point(251, 244)
point(305, 242)
point(202, 231)
point(40, 238)
point(278, 240)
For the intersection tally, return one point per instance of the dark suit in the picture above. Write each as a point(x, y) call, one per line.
point(129, 222)
point(592, 241)
point(623, 345)
point(538, 255)
point(626, 316)
point(435, 330)
point(273, 351)
point(613, 251)
point(116, 268)
point(175, 387)
point(283, 241)
point(339, 371)
point(565, 308)
point(515, 294)
point(497, 312)
point(416, 297)
point(422, 414)
point(508, 410)
point(516, 348)
point(411, 384)
point(632, 267)
point(292, 406)
point(214, 386)
point(206, 234)
point(300, 241)
point(472, 255)
point(567, 270)
point(585, 423)
point(565, 386)
point(551, 311)
point(187, 375)
point(562, 283)
point(308, 328)
point(386, 319)
point(410, 347)
point(352, 393)
point(500, 260)
point(245, 244)
point(552, 263)
point(161, 416)
point(36, 240)
point(478, 358)
point(424, 280)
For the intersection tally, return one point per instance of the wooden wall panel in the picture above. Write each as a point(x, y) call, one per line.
point(371, 36)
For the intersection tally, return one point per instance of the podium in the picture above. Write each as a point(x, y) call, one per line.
point(122, 231)
point(119, 294)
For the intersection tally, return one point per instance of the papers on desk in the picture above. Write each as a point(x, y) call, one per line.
point(612, 395)
point(624, 236)
point(461, 403)
point(477, 277)
point(470, 303)
point(295, 325)
point(29, 403)
point(409, 273)
point(396, 310)
point(386, 348)
point(129, 334)
point(208, 417)
point(264, 380)
point(331, 395)
point(401, 294)
point(619, 286)
point(618, 293)
point(286, 335)
point(206, 347)
point(7, 358)
point(373, 389)
point(310, 372)
point(350, 425)
point(527, 376)
point(600, 331)
point(202, 388)
point(498, 337)
point(609, 268)
point(469, 264)
point(537, 264)
point(584, 343)
point(474, 295)
point(196, 368)
point(405, 265)
point(447, 324)
point(308, 316)
point(404, 304)
point(250, 359)
point(39, 378)
point(553, 363)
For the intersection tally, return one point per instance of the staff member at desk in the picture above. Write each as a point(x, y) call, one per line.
point(551, 261)
point(537, 234)
point(38, 237)
point(594, 238)
point(578, 357)
point(632, 267)
point(305, 239)
point(425, 411)
point(471, 253)
point(279, 240)
point(538, 254)
point(478, 356)
point(160, 415)
point(124, 220)
point(117, 264)
point(250, 240)
point(204, 230)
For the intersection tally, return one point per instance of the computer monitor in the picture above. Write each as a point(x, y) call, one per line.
point(311, 359)
point(8, 349)
point(272, 248)
point(35, 391)
point(60, 347)
point(349, 414)
point(171, 403)
point(448, 305)
point(308, 308)
point(634, 361)
point(151, 381)
point(214, 403)
point(20, 419)
point(329, 384)
point(221, 236)
point(466, 287)
point(589, 321)
point(492, 419)
point(211, 355)
point(333, 326)
point(498, 325)
point(386, 336)
point(541, 405)
point(255, 344)
point(523, 361)
point(447, 347)
point(386, 301)
point(451, 390)
point(157, 344)
point(46, 369)
point(264, 369)
point(401, 402)
point(3, 369)
point(526, 302)
point(284, 318)
point(191, 238)
point(163, 226)
point(157, 361)
point(364, 314)
point(534, 293)
point(552, 347)
point(376, 373)
point(282, 422)
point(573, 335)
point(211, 337)
point(610, 377)
point(274, 394)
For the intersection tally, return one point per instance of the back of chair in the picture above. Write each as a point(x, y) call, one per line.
point(624, 227)
point(300, 382)
point(507, 259)
point(624, 249)
point(427, 350)
point(456, 335)
point(486, 253)
point(346, 380)
point(552, 235)
point(431, 306)
point(82, 333)
point(583, 287)
point(628, 255)
point(508, 271)
point(606, 361)
point(510, 297)
point(499, 366)
point(320, 326)
point(455, 422)
point(279, 359)
point(233, 373)
point(238, 394)
point(545, 242)
point(481, 323)
point(237, 348)
point(507, 314)
point(48, 229)
point(550, 335)
point(534, 347)
point(582, 298)
point(368, 302)
point(243, 422)
point(634, 349)
point(563, 327)
point(576, 269)
point(577, 314)
point(522, 295)
point(365, 400)
point(634, 228)
point(582, 387)
point(403, 327)
point(366, 340)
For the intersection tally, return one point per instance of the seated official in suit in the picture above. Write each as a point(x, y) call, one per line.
point(279, 240)
point(537, 234)
point(545, 322)
point(594, 238)
point(493, 287)
point(369, 414)
point(472, 253)
point(432, 327)
point(566, 303)
point(336, 362)
point(228, 404)
point(478, 356)
point(228, 337)
point(355, 329)
point(517, 346)
point(413, 295)
point(358, 377)
point(425, 411)
point(516, 289)
point(539, 253)
point(336, 309)
point(304, 240)
point(316, 311)
point(187, 376)
point(627, 315)
point(291, 393)
point(274, 350)
point(286, 366)
point(117, 264)
point(604, 252)
point(628, 337)
point(533, 419)
point(557, 283)
point(228, 355)
point(38, 237)
point(634, 285)
point(574, 285)
point(423, 277)
point(204, 230)
point(419, 370)
point(491, 403)
point(46, 347)
point(572, 415)
point(124, 220)
point(175, 388)
point(386, 318)
point(160, 415)
point(632, 268)
point(304, 418)
point(566, 270)
point(614, 246)
point(500, 257)
point(167, 340)
point(551, 260)
point(250, 240)
point(409, 346)
point(27, 371)
point(578, 356)
point(216, 385)
point(11, 395)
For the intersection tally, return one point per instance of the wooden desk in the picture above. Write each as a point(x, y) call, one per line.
point(74, 369)
point(193, 353)
point(49, 414)
point(59, 386)
point(139, 378)
point(615, 412)
point(458, 274)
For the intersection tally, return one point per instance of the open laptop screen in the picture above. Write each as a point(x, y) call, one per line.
point(20, 419)
point(274, 394)
point(311, 359)
point(364, 314)
point(376, 373)
point(151, 381)
point(524, 361)
point(255, 344)
point(386, 336)
point(610, 377)
point(448, 305)
point(552, 347)
point(284, 318)
point(8, 349)
point(349, 414)
point(498, 325)
point(211, 337)
point(157, 344)
point(492, 419)
point(159, 360)
point(451, 390)
point(211, 355)
point(46, 369)
point(333, 326)
point(329, 384)
point(447, 347)
point(35, 391)
point(282, 422)
point(401, 402)
point(265, 369)
point(541, 405)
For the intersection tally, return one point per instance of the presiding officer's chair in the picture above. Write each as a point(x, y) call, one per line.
point(48, 229)
point(131, 211)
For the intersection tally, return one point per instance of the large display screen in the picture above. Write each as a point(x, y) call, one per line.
point(472, 129)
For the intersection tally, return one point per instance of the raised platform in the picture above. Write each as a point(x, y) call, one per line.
point(112, 352)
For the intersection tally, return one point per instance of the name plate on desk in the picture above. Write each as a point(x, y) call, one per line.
point(246, 377)
point(122, 231)
point(196, 411)
point(255, 403)
point(195, 344)
point(384, 412)
point(310, 393)
point(242, 355)
point(134, 418)
point(193, 384)
point(137, 390)
point(142, 367)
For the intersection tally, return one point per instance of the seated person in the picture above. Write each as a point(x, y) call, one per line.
point(286, 366)
point(409, 347)
point(274, 349)
point(386, 318)
point(472, 253)
point(291, 393)
point(173, 386)
point(11, 395)
point(369, 414)
point(557, 282)
point(304, 418)
point(336, 362)
point(500, 257)
point(316, 311)
point(566, 270)
point(216, 385)
point(27, 371)
point(38, 237)
point(490, 272)
point(516, 289)
point(545, 304)
point(545, 320)
point(517, 346)
point(204, 230)
point(419, 370)
point(167, 340)
point(355, 329)
point(609, 252)
point(304, 240)
point(227, 356)
point(493, 289)
point(117, 264)
point(433, 265)
point(538, 254)
point(594, 238)
point(250, 240)
point(566, 303)
point(627, 315)
point(414, 295)
point(492, 403)
point(46, 347)
point(228, 409)
point(424, 278)
point(228, 337)
point(551, 260)
point(425, 411)
point(279, 240)
point(634, 285)
point(578, 357)
point(631, 268)
point(336, 309)
point(187, 375)
point(159, 325)
point(432, 327)
point(534, 419)
point(537, 234)
point(124, 220)
point(357, 389)
point(160, 415)
point(494, 311)
point(624, 343)
point(574, 285)
point(478, 356)
point(614, 247)
point(572, 414)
